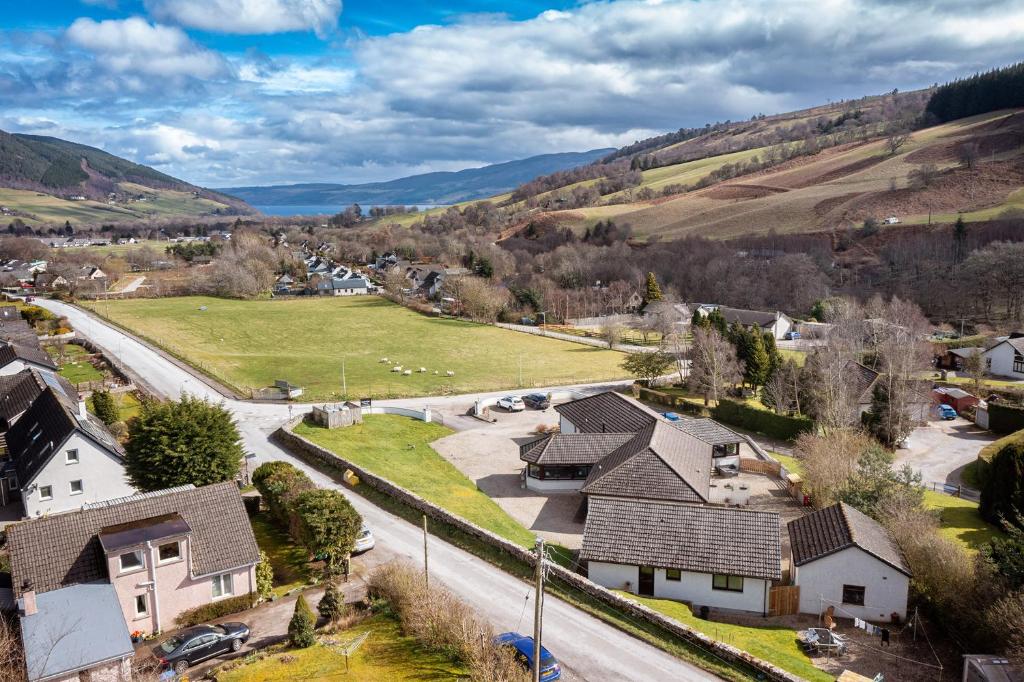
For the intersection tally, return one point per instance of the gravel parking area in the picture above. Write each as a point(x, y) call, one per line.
point(489, 455)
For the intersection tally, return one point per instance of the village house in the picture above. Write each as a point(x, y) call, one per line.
point(62, 456)
point(163, 552)
point(845, 559)
point(1006, 359)
point(777, 324)
point(955, 358)
point(15, 357)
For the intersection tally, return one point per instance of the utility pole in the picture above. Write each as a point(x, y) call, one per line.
point(538, 610)
point(344, 384)
point(426, 574)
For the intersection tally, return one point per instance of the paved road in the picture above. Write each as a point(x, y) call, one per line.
point(941, 449)
point(589, 648)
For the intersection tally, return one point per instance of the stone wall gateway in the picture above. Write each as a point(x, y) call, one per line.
point(313, 452)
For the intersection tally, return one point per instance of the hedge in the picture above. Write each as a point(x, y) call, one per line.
point(1005, 418)
point(252, 504)
point(990, 450)
point(216, 609)
point(761, 421)
point(681, 404)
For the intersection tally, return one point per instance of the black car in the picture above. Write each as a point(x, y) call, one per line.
point(199, 643)
point(537, 401)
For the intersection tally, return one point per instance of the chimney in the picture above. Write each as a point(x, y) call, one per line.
point(82, 412)
point(28, 604)
point(604, 427)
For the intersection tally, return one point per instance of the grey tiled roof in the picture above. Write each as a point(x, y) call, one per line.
point(607, 412)
point(19, 331)
point(838, 527)
point(64, 549)
point(862, 380)
point(19, 391)
point(9, 352)
point(709, 431)
point(660, 463)
point(747, 317)
point(684, 536)
point(573, 448)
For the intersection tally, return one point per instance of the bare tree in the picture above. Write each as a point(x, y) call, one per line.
point(897, 137)
point(967, 153)
point(611, 333)
point(714, 365)
point(832, 368)
point(784, 387)
point(973, 367)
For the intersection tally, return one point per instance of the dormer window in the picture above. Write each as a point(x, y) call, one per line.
point(131, 561)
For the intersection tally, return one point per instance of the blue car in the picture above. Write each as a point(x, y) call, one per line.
point(671, 416)
point(946, 412)
point(523, 645)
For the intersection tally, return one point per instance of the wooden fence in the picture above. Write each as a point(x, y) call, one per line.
point(761, 466)
point(783, 600)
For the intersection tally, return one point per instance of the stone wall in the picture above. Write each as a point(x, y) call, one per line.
point(313, 452)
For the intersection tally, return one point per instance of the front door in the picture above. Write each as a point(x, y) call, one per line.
point(646, 587)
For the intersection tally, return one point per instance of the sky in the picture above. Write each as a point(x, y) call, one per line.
point(254, 92)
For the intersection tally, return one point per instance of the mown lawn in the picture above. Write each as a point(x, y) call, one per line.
point(386, 655)
point(960, 520)
point(398, 449)
point(775, 644)
point(74, 364)
point(128, 405)
point(290, 562)
point(250, 344)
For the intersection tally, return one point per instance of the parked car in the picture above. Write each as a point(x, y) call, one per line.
point(537, 401)
point(512, 403)
point(671, 416)
point(523, 645)
point(946, 412)
point(198, 643)
point(792, 336)
point(364, 541)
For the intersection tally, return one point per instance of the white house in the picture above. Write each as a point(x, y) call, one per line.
point(708, 556)
point(63, 457)
point(845, 559)
point(1006, 359)
point(15, 357)
point(778, 324)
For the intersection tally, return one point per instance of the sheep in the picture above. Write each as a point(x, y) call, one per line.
point(423, 370)
point(449, 373)
point(436, 372)
point(407, 373)
point(384, 361)
point(396, 368)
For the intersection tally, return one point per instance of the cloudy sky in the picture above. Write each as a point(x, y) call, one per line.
point(232, 92)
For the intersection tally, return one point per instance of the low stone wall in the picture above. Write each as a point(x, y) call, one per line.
point(423, 415)
point(313, 452)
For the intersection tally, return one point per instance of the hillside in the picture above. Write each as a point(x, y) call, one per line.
point(49, 180)
point(428, 188)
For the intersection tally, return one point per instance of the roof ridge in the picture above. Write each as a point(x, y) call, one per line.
point(139, 496)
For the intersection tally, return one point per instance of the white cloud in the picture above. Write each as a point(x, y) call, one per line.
point(133, 46)
point(250, 16)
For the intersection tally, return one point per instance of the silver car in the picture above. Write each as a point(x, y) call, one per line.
point(512, 403)
point(364, 541)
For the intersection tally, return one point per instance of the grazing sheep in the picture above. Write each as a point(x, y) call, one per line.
point(435, 372)
point(396, 368)
point(384, 361)
point(449, 373)
point(407, 373)
point(423, 370)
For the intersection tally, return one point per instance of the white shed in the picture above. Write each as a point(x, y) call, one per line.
point(1006, 359)
point(845, 559)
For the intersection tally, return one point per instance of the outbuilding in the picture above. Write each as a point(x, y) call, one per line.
point(845, 559)
point(956, 398)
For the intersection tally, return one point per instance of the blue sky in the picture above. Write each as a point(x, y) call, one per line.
point(231, 92)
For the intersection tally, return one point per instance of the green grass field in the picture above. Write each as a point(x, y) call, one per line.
point(74, 365)
point(398, 449)
point(387, 655)
point(960, 521)
point(249, 344)
point(775, 644)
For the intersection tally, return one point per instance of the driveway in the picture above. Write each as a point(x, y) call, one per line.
point(488, 454)
point(941, 449)
point(590, 648)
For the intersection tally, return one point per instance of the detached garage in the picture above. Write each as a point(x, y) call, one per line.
point(845, 559)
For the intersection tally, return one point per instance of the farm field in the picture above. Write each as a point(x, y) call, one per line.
point(250, 344)
point(119, 249)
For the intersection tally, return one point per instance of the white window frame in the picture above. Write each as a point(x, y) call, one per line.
point(131, 569)
point(160, 560)
point(218, 582)
point(48, 496)
point(68, 459)
point(71, 487)
point(145, 605)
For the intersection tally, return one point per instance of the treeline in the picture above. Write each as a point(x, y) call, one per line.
point(983, 92)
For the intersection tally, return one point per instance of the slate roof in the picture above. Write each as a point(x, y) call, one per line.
point(9, 312)
point(747, 317)
point(839, 527)
point(660, 463)
point(1016, 343)
point(41, 430)
point(573, 448)
point(688, 537)
point(709, 431)
point(607, 412)
point(19, 391)
point(74, 629)
point(9, 352)
point(64, 549)
point(19, 331)
point(862, 380)
point(966, 352)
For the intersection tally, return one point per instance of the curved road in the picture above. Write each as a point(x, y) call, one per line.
point(589, 648)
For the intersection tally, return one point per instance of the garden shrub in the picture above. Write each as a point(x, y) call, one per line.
point(214, 610)
point(761, 421)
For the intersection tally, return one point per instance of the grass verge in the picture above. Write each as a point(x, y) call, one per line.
point(960, 521)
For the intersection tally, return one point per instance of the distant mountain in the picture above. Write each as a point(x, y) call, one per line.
point(71, 171)
point(429, 188)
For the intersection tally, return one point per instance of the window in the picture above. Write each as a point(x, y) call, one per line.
point(673, 574)
point(535, 471)
point(729, 583)
point(46, 492)
point(853, 594)
point(221, 585)
point(77, 487)
point(131, 561)
point(1018, 363)
point(141, 605)
point(169, 552)
point(71, 457)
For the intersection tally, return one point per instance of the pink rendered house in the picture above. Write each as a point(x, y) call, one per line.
point(163, 552)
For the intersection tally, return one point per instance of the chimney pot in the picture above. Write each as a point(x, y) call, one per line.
point(28, 601)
